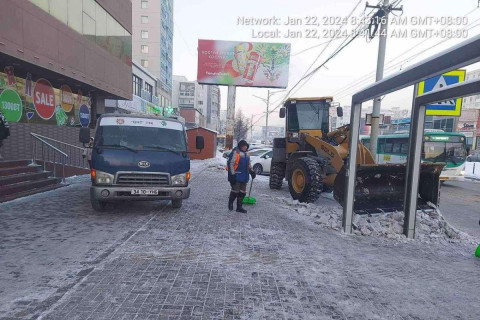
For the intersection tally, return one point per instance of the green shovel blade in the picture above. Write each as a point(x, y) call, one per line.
point(249, 200)
point(477, 253)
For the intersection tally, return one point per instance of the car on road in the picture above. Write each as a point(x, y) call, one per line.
point(261, 160)
point(139, 158)
point(226, 153)
point(474, 157)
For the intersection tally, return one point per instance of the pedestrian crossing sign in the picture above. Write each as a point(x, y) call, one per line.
point(445, 108)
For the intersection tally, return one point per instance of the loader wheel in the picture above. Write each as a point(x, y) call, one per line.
point(305, 184)
point(277, 173)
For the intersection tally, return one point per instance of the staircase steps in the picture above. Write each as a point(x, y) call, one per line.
point(20, 178)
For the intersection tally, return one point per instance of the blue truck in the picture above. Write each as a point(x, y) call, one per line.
point(136, 157)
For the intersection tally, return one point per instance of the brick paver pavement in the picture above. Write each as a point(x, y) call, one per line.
point(204, 262)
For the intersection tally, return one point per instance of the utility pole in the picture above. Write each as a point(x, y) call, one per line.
point(266, 117)
point(383, 20)
point(267, 102)
point(251, 128)
point(230, 117)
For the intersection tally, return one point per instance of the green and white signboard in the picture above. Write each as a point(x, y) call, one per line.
point(11, 105)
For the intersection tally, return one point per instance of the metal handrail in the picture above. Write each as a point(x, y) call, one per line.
point(76, 155)
point(57, 141)
point(51, 147)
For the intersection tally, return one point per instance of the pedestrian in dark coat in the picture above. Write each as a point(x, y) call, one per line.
point(239, 169)
point(4, 132)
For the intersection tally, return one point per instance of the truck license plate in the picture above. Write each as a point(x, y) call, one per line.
point(144, 192)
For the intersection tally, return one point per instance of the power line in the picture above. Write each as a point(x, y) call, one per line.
point(347, 91)
point(362, 79)
point(307, 76)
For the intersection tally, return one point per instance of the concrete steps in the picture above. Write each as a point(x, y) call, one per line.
point(20, 178)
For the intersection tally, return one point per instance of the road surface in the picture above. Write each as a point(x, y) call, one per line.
point(460, 205)
point(61, 260)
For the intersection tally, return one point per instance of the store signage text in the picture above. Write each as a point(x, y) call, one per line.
point(44, 99)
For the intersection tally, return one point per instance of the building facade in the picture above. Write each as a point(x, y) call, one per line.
point(145, 99)
point(59, 61)
point(199, 104)
point(472, 102)
point(152, 45)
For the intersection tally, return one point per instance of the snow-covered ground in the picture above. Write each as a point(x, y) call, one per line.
point(326, 212)
point(197, 166)
point(430, 226)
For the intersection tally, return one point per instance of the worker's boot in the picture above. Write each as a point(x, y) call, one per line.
point(231, 199)
point(240, 203)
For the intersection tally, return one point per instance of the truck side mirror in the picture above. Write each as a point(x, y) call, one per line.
point(339, 112)
point(199, 143)
point(282, 112)
point(84, 135)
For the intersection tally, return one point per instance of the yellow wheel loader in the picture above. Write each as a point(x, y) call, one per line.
point(312, 160)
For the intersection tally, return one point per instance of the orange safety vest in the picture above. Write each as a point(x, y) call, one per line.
point(235, 164)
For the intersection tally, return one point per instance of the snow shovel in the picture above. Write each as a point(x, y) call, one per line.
point(250, 200)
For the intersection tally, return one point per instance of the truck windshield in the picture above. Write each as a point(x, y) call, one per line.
point(141, 138)
point(306, 115)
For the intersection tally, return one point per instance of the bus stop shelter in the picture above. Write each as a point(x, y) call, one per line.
point(461, 55)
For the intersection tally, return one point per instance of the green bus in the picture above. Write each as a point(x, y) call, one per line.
point(438, 146)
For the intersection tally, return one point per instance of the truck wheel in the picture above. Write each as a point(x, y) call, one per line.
point(176, 203)
point(305, 183)
point(98, 205)
point(277, 173)
point(258, 169)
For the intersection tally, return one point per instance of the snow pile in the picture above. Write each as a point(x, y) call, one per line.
point(218, 163)
point(431, 226)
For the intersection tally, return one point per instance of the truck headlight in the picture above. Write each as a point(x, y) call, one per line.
point(180, 179)
point(103, 177)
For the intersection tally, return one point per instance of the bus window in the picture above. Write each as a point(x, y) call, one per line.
point(404, 149)
point(396, 147)
point(381, 146)
point(366, 143)
point(388, 145)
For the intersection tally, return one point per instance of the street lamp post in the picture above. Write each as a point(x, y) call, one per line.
point(251, 123)
point(267, 102)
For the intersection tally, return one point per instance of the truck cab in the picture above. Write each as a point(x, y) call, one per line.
point(137, 157)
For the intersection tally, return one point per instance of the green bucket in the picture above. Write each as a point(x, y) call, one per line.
point(477, 253)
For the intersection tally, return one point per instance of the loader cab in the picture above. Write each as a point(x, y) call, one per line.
point(306, 115)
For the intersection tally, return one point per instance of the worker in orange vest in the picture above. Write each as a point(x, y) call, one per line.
point(239, 168)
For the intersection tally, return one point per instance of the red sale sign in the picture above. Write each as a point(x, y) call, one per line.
point(44, 99)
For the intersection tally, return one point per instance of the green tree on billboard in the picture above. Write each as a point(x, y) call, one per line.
point(273, 57)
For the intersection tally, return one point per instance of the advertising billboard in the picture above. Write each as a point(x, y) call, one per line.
point(253, 64)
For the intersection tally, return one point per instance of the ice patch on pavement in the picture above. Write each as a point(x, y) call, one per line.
point(431, 226)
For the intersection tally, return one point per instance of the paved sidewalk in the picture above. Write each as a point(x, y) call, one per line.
point(204, 262)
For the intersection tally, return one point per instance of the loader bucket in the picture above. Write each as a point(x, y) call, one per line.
point(381, 188)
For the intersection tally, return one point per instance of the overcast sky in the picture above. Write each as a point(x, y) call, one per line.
point(217, 19)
